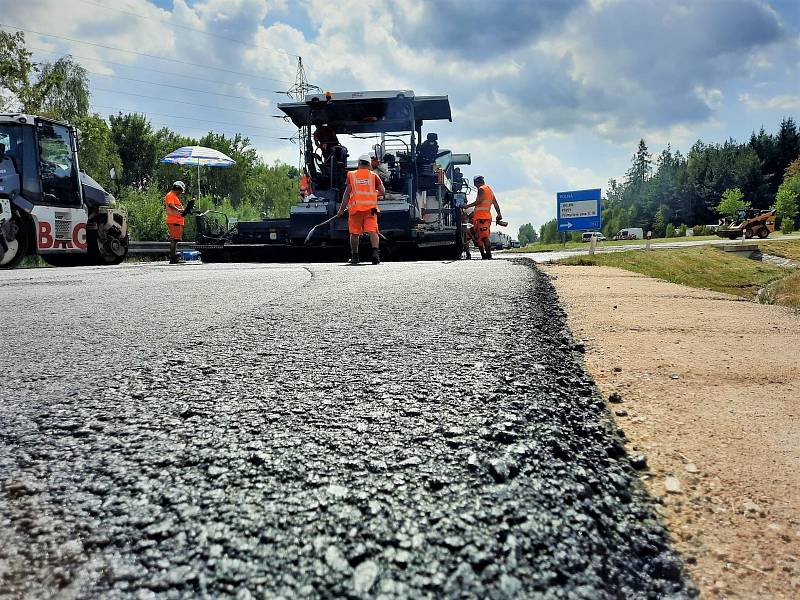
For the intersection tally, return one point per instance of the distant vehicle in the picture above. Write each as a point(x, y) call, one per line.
point(515, 244)
point(750, 222)
point(499, 240)
point(630, 233)
point(587, 236)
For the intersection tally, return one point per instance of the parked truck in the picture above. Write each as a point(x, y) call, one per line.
point(420, 216)
point(48, 206)
point(630, 233)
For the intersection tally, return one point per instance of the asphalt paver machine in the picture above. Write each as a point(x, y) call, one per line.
point(48, 206)
point(420, 217)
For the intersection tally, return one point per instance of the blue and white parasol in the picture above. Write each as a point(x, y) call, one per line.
point(200, 156)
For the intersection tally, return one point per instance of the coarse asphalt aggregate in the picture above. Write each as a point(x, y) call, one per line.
point(407, 430)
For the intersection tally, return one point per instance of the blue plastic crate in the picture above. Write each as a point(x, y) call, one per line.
point(190, 255)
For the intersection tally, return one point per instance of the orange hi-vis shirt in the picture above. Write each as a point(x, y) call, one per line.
point(363, 190)
point(173, 215)
point(483, 209)
point(305, 186)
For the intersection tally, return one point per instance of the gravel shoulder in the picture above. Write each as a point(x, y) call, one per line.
point(418, 430)
point(710, 388)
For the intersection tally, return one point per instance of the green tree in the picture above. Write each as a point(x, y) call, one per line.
point(670, 232)
point(98, 154)
point(548, 233)
point(787, 200)
point(732, 201)
point(136, 144)
point(62, 90)
point(659, 224)
point(230, 181)
point(59, 89)
point(527, 235)
point(272, 188)
point(787, 144)
point(165, 175)
point(16, 68)
point(641, 167)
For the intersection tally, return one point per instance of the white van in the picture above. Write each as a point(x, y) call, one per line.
point(630, 233)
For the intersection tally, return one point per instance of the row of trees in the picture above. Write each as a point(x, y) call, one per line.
point(127, 146)
point(674, 189)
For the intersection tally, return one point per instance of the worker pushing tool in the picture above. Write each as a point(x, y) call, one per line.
point(482, 216)
point(176, 217)
point(361, 201)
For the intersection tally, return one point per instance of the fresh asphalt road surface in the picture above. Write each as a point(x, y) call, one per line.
point(405, 430)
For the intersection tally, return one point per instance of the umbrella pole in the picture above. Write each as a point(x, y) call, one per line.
point(198, 180)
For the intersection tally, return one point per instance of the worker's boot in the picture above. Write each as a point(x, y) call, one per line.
point(354, 259)
point(376, 256)
point(468, 255)
point(488, 253)
point(483, 252)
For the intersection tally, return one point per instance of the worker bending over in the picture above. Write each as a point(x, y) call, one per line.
point(175, 218)
point(482, 216)
point(379, 168)
point(361, 201)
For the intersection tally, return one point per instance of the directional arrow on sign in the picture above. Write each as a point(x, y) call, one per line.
point(568, 224)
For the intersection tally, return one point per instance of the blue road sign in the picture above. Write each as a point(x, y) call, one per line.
point(579, 210)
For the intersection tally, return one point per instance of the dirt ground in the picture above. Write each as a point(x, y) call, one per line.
point(710, 388)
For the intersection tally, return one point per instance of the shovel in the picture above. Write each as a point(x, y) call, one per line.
point(315, 227)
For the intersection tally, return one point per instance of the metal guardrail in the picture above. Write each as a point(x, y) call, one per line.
point(155, 248)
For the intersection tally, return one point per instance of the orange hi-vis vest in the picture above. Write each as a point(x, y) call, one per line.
point(305, 186)
point(363, 191)
point(173, 215)
point(483, 209)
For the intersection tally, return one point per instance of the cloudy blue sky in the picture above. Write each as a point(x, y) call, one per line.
point(547, 95)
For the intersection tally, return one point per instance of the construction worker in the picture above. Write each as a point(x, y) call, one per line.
point(361, 201)
point(325, 139)
point(175, 218)
point(305, 185)
point(482, 217)
point(467, 233)
point(379, 168)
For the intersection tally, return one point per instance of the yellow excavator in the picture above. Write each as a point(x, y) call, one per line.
point(750, 222)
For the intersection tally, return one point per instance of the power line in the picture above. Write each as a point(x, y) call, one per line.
point(175, 60)
point(128, 110)
point(250, 137)
point(221, 108)
point(216, 35)
point(169, 85)
point(139, 68)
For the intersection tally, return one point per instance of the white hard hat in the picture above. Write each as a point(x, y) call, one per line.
point(179, 184)
point(364, 158)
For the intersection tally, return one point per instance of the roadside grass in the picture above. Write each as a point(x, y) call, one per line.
point(32, 262)
point(673, 240)
point(786, 292)
point(785, 249)
point(585, 245)
point(701, 267)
